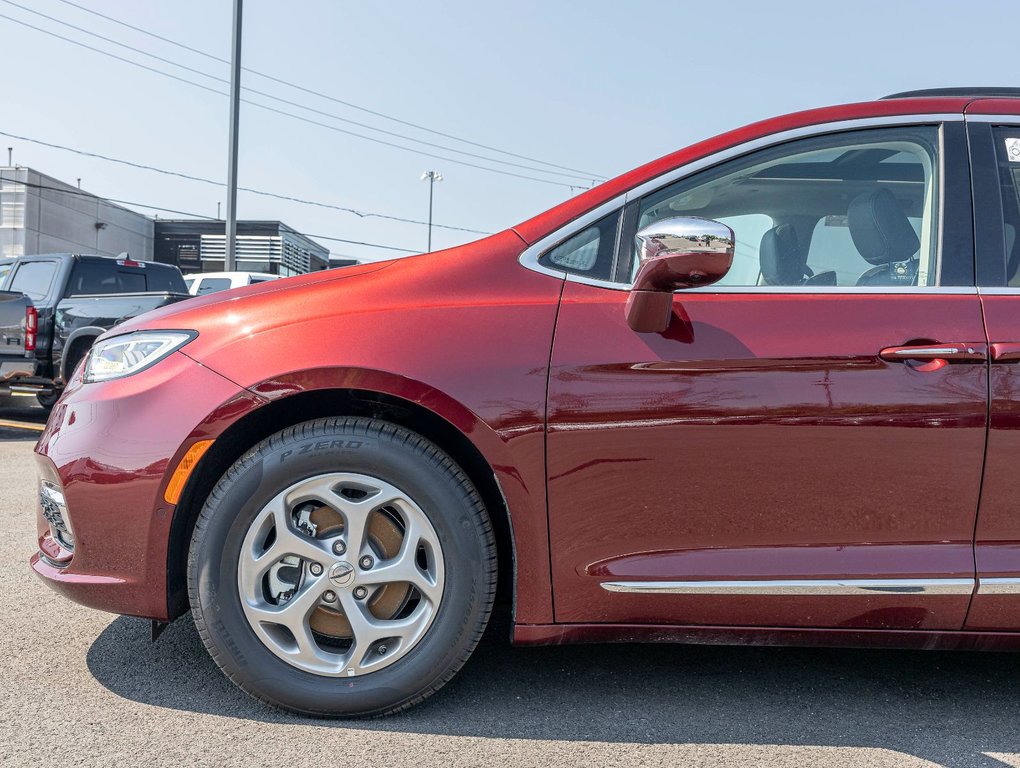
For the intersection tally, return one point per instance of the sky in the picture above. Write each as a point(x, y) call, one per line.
point(595, 87)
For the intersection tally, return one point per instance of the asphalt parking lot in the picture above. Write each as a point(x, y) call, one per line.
point(87, 688)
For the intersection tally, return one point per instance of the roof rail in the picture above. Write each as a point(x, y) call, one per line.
point(982, 92)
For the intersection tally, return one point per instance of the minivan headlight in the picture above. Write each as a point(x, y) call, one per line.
point(125, 355)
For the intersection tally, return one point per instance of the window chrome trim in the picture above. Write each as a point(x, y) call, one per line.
point(878, 290)
point(1001, 290)
point(797, 587)
point(529, 258)
point(999, 586)
point(1008, 119)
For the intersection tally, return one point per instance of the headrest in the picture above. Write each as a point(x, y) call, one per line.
point(880, 229)
point(779, 253)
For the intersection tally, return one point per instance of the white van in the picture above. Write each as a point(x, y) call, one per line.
point(202, 283)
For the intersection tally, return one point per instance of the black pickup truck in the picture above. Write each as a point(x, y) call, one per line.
point(75, 299)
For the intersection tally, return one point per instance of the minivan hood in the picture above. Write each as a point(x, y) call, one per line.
point(312, 312)
point(180, 314)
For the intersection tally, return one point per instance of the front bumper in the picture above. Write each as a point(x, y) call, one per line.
point(110, 448)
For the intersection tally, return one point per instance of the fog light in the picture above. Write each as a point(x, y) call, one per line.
point(55, 511)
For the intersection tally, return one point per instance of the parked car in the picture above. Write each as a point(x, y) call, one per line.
point(211, 282)
point(76, 299)
point(762, 390)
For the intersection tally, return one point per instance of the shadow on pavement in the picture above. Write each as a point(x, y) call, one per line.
point(938, 706)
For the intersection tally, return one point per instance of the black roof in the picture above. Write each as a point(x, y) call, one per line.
point(82, 256)
point(983, 92)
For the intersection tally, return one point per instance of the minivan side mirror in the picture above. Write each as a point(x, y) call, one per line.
point(675, 253)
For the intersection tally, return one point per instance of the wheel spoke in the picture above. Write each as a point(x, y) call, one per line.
point(282, 619)
point(404, 568)
point(368, 630)
point(294, 611)
point(357, 512)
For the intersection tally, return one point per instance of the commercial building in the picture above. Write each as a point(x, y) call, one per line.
point(262, 246)
point(41, 214)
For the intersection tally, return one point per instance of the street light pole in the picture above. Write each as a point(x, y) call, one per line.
point(432, 177)
point(229, 260)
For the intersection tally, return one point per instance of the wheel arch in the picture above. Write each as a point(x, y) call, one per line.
point(291, 405)
point(80, 337)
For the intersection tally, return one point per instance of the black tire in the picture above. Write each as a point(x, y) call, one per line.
point(47, 401)
point(77, 352)
point(391, 453)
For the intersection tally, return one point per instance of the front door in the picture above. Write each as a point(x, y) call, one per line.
point(803, 446)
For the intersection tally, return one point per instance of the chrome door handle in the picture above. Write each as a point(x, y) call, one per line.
point(951, 353)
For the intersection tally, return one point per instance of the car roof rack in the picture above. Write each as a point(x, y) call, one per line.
point(984, 92)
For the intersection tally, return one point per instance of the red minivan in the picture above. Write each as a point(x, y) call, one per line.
point(763, 390)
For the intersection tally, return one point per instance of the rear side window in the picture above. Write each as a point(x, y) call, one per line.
point(213, 284)
point(1007, 141)
point(164, 280)
point(33, 278)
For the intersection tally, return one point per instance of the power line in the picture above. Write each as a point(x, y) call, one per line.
point(299, 105)
point(584, 174)
point(178, 174)
point(289, 114)
point(83, 193)
point(358, 242)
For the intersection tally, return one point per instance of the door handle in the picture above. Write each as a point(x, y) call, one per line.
point(1006, 352)
point(956, 352)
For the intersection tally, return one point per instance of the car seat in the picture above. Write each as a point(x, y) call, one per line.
point(884, 237)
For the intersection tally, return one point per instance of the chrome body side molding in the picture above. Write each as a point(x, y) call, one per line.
point(804, 587)
point(999, 586)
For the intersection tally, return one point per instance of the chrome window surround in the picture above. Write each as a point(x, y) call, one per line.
point(798, 587)
point(529, 258)
point(993, 118)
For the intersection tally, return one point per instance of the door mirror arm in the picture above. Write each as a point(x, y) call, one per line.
point(675, 253)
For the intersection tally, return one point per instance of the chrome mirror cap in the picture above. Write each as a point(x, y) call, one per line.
point(688, 237)
point(675, 253)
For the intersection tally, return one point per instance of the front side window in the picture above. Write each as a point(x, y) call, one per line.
point(851, 209)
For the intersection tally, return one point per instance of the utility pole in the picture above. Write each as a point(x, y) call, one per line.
point(432, 177)
point(229, 260)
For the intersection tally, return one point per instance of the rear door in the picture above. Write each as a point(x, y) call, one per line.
point(803, 445)
point(994, 135)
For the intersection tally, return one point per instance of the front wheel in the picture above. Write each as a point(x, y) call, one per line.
point(344, 566)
